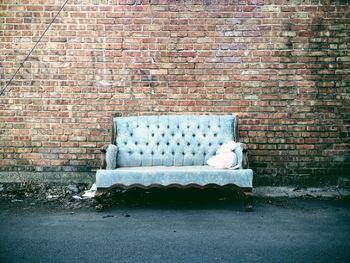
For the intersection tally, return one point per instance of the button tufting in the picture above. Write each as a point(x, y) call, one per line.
point(164, 140)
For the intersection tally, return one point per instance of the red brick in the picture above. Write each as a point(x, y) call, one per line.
point(274, 63)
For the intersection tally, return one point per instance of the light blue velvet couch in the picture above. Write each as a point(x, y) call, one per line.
point(170, 150)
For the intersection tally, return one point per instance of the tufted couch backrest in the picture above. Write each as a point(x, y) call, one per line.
point(171, 140)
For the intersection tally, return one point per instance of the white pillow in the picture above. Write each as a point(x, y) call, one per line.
point(227, 147)
point(223, 160)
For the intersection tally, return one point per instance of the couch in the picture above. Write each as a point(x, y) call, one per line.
point(171, 150)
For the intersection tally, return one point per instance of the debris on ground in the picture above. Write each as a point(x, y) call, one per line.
point(107, 216)
point(69, 196)
point(16, 201)
point(91, 192)
point(72, 188)
point(75, 196)
point(302, 188)
point(52, 196)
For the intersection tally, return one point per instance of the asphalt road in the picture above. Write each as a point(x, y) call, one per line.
point(279, 230)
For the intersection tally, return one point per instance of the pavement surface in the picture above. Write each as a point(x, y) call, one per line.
point(278, 230)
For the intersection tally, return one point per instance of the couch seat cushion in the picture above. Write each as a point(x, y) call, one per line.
point(173, 175)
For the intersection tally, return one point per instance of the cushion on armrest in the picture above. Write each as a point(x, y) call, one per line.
point(111, 156)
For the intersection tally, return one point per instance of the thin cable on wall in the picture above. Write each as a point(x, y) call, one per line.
point(30, 52)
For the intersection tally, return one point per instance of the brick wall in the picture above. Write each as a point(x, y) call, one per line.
point(282, 65)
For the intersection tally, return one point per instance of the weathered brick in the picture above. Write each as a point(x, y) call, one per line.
point(281, 65)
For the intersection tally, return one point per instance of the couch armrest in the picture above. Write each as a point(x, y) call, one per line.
point(241, 151)
point(245, 162)
point(109, 154)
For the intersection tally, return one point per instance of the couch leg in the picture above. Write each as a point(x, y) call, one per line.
point(248, 200)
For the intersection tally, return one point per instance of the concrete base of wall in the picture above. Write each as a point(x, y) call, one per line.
point(292, 192)
point(47, 177)
point(339, 179)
